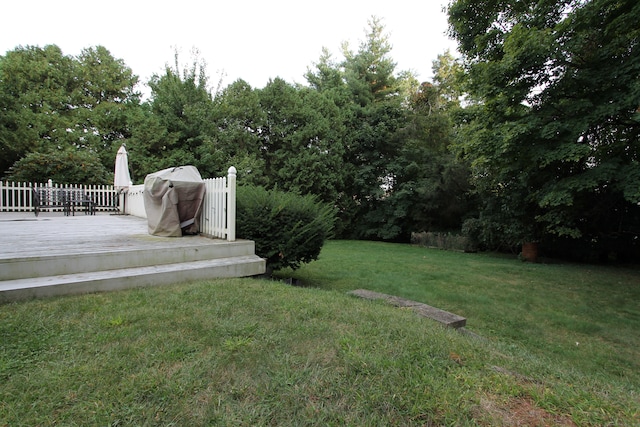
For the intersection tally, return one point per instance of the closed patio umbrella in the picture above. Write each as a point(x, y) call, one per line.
point(122, 178)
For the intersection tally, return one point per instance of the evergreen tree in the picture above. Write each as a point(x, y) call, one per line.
point(374, 117)
point(182, 105)
point(301, 140)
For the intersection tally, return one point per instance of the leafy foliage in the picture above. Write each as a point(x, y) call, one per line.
point(544, 146)
point(301, 140)
point(55, 102)
point(37, 86)
point(238, 116)
point(64, 167)
point(288, 229)
point(553, 136)
point(182, 103)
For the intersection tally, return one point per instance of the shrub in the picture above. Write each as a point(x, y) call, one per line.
point(288, 229)
point(446, 241)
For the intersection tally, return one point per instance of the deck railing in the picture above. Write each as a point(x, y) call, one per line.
point(17, 196)
point(132, 201)
point(218, 217)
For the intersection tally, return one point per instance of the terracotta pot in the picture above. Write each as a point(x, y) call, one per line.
point(530, 251)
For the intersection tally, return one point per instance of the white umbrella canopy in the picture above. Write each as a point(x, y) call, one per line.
point(122, 178)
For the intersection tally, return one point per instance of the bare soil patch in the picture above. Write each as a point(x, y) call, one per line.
point(521, 411)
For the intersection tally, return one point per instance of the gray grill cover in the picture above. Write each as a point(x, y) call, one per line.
point(173, 200)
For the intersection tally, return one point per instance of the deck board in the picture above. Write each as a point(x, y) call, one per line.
point(55, 255)
point(24, 235)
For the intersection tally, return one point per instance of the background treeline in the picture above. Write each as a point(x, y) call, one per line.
point(505, 144)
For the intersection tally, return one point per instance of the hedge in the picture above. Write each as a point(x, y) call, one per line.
point(288, 229)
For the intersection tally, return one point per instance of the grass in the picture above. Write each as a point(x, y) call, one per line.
point(254, 352)
point(584, 316)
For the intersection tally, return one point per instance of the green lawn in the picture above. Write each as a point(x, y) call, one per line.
point(585, 317)
point(257, 352)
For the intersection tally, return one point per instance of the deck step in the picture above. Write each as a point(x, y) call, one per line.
point(113, 258)
point(124, 278)
point(448, 319)
point(59, 255)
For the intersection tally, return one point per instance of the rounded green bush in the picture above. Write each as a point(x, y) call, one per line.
point(288, 229)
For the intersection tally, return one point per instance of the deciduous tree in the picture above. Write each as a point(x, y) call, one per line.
point(36, 88)
point(238, 118)
point(555, 133)
point(50, 101)
point(62, 167)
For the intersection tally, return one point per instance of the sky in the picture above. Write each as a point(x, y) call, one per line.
point(251, 40)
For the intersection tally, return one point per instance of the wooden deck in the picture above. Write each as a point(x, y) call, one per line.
point(55, 234)
point(55, 254)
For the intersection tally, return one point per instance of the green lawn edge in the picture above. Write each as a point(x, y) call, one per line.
point(259, 352)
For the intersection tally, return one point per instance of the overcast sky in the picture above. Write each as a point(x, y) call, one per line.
point(249, 39)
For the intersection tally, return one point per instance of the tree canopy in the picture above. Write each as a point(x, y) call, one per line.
point(531, 135)
point(553, 134)
point(51, 102)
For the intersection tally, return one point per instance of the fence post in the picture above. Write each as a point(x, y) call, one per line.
point(231, 204)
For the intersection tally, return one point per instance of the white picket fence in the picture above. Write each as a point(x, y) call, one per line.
point(18, 197)
point(218, 217)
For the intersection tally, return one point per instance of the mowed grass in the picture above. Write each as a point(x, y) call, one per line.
point(584, 317)
point(258, 352)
